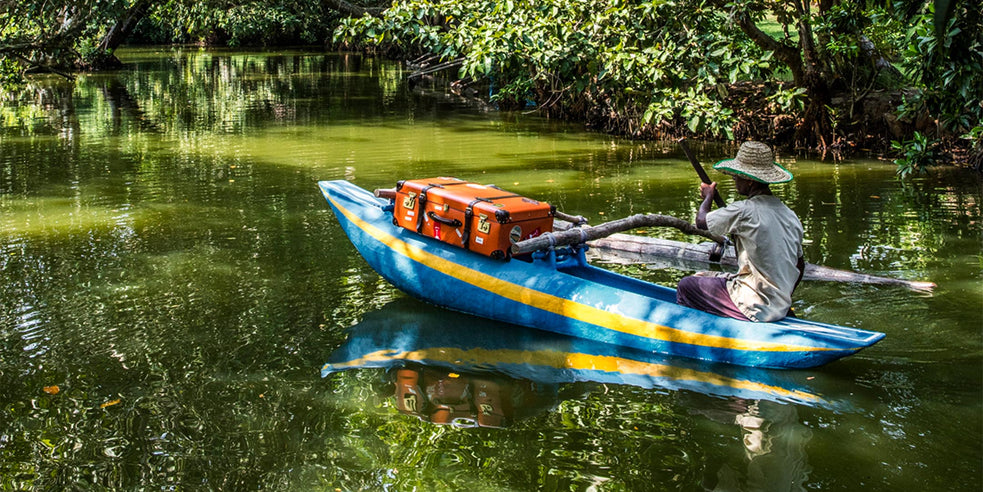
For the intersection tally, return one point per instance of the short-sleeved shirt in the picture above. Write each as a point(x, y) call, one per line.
point(768, 238)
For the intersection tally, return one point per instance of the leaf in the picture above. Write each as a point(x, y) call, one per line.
point(694, 124)
point(110, 403)
point(52, 390)
point(647, 117)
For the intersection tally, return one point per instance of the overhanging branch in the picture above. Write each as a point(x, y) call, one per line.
point(353, 10)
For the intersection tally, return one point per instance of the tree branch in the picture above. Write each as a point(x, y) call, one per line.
point(33, 64)
point(353, 10)
point(578, 235)
point(786, 53)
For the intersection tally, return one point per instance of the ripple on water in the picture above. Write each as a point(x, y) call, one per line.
point(30, 327)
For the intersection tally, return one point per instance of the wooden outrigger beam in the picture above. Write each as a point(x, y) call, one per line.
point(632, 249)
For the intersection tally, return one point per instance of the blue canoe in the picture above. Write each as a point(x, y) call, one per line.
point(406, 333)
point(558, 291)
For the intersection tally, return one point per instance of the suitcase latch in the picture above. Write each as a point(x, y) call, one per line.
point(484, 226)
point(409, 202)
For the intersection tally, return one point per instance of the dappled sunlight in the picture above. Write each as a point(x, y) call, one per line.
point(58, 216)
point(171, 282)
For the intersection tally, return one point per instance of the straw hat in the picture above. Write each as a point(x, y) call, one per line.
point(755, 161)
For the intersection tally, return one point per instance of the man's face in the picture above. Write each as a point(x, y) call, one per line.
point(743, 185)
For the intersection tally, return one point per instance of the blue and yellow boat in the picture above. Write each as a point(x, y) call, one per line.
point(559, 292)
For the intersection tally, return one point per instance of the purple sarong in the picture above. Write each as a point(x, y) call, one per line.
point(707, 294)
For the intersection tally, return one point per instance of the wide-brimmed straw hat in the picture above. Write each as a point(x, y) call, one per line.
point(755, 161)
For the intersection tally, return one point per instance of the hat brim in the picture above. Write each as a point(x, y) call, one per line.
point(773, 175)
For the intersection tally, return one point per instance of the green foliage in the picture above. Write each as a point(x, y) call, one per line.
point(947, 75)
point(975, 137)
point(53, 35)
point(657, 65)
point(660, 63)
point(66, 36)
point(630, 66)
point(917, 154)
point(788, 100)
point(258, 22)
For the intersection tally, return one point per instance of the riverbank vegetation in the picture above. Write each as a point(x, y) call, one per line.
point(899, 78)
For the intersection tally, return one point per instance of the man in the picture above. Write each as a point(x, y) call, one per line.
point(766, 234)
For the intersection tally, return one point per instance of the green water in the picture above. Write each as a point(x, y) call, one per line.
point(169, 265)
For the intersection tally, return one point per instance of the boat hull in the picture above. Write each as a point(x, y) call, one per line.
point(562, 294)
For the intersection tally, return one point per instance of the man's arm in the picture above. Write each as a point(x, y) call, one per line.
point(707, 191)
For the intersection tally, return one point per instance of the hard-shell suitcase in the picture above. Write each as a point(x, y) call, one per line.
point(482, 218)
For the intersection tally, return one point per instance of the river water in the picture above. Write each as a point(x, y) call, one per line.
point(173, 284)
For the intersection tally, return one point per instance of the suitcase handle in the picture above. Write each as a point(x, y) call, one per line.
point(444, 220)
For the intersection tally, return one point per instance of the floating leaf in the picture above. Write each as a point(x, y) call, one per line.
point(109, 403)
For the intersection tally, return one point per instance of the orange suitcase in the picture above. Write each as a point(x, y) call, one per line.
point(483, 219)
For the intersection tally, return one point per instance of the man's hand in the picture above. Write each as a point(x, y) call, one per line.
point(707, 190)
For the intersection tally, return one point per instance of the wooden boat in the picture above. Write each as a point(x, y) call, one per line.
point(406, 333)
point(558, 291)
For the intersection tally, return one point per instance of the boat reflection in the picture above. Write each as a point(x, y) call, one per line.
point(441, 396)
point(450, 368)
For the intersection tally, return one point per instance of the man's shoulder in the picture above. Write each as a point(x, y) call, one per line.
point(770, 202)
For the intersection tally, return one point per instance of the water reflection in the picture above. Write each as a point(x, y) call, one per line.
point(435, 357)
point(441, 396)
point(452, 369)
point(773, 446)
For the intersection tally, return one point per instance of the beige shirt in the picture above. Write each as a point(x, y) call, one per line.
point(768, 238)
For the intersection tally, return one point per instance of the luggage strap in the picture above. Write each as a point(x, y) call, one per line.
point(423, 201)
point(469, 214)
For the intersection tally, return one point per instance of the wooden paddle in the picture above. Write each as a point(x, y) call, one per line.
point(717, 252)
point(699, 171)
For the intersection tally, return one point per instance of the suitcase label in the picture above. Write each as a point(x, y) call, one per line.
point(484, 226)
point(410, 201)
